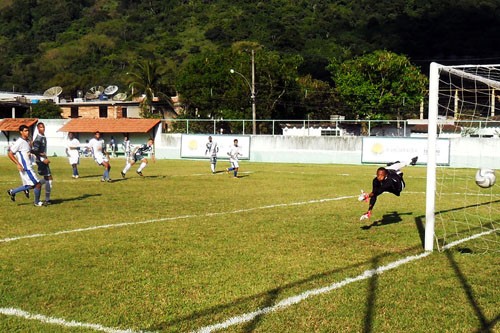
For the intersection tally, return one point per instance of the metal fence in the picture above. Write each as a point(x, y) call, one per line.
point(336, 127)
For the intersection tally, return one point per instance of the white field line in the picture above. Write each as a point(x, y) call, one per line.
point(60, 322)
point(174, 218)
point(235, 320)
point(287, 302)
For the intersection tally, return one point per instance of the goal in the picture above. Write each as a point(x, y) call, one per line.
point(462, 106)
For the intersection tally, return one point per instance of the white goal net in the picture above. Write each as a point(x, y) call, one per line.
point(462, 104)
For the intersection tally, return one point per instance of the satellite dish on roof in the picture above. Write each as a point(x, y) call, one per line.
point(110, 90)
point(53, 91)
point(120, 97)
point(96, 90)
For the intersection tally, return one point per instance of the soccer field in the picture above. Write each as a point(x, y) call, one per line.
point(280, 249)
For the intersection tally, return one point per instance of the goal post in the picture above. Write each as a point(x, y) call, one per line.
point(462, 99)
point(430, 200)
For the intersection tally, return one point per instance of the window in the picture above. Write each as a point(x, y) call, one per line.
point(103, 111)
point(74, 112)
point(124, 113)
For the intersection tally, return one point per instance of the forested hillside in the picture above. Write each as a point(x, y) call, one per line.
point(79, 44)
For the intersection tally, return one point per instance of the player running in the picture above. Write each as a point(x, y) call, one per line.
point(19, 154)
point(98, 148)
point(138, 155)
point(388, 179)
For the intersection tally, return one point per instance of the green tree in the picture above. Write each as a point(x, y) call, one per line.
point(44, 110)
point(209, 90)
point(146, 79)
point(379, 85)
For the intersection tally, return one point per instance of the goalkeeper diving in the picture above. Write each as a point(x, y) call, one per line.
point(388, 179)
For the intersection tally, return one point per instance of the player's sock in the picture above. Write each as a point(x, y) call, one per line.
point(37, 192)
point(106, 174)
point(126, 168)
point(235, 173)
point(48, 189)
point(19, 189)
point(141, 167)
point(212, 167)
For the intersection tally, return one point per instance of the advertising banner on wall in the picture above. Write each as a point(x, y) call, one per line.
point(385, 150)
point(195, 145)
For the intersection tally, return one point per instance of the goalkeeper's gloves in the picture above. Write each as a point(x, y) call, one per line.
point(363, 196)
point(366, 216)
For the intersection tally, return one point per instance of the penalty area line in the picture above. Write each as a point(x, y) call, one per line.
point(287, 302)
point(174, 218)
point(61, 322)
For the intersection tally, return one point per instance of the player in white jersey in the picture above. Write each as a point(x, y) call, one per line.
point(139, 155)
point(19, 154)
point(126, 147)
point(212, 150)
point(73, 153)
point(234, 153)
point(98, 147)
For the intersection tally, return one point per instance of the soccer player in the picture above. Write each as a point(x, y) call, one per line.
point(233, 153)
point(98, 148)
point(138, 155)
point(19, 154)
point(126, 147)
point(388, 179)
point(212, 150)
point(42, 161)
point(73, 153)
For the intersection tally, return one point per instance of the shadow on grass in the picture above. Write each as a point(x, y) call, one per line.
point(390, 218)
point(419, 220)
point(270, 298)
point(486, 326)
point(81, 197)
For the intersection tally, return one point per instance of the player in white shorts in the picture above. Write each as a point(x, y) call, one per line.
point(233, 153)
point(73, 153)
point(98, 147)
point(212, 150)
point(19, 154)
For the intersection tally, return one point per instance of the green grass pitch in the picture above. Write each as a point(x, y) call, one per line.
point(181, 249)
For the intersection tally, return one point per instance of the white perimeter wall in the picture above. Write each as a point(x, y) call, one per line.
point(464, 152)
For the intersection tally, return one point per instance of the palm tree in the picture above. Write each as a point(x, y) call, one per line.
point(146, 80)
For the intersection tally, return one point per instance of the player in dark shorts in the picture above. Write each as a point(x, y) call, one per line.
point(42, 161)
point(139, 155)
point(388, 179)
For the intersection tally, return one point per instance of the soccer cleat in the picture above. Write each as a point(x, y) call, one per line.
point(27, 193)
point(366, 216)
point(363, 196)
point(414, 160)
point(12, 195)
point(39, 204)
point(391, 163)
point(140, 173)
point(109, 180)
point(103, 180)
point(123, 174)
point(47, 203)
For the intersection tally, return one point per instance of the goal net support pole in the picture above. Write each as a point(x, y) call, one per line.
point(430, 200)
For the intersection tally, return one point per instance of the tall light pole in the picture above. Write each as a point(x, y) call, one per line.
point(252, 92)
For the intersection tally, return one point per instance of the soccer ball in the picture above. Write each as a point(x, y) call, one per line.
point(485, 178)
